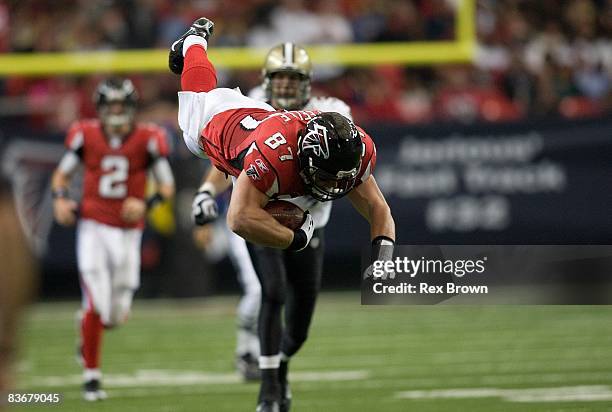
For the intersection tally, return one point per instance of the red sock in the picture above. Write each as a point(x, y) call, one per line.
point(199, 74)
point(91, 333)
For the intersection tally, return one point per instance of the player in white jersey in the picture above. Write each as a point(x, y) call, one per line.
point(291, 279)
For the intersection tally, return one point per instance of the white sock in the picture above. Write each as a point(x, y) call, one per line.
point(242, 341)
point(269, 362)
point(192, 40)
point(254, 344)
point(89, 374)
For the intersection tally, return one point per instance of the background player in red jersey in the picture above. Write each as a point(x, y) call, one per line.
point(274, 154)
point(117, 153)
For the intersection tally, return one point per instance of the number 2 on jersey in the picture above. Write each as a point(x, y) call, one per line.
point(113, 184)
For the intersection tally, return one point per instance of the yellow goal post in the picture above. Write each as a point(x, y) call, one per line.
point(461, 49)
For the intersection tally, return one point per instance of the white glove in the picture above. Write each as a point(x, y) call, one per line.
point(303, 234)
point(204, 208)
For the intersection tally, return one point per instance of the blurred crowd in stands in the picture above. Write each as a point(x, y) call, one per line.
point(534, 58)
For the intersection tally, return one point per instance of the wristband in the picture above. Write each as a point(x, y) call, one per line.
point(154, 200)
point(382, 248)
point(61, 192)
point(299, 240)
point(207, 187)
point(383, 240)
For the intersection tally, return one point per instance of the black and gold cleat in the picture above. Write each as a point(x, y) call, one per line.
point(201, 27)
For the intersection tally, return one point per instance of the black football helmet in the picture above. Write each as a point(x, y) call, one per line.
point(113, 91)
point(330, 151)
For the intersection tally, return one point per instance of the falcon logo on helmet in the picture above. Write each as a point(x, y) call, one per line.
point(316, 141)
point(330, 151)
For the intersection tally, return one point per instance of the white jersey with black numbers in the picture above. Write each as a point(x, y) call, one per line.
point(320, 211)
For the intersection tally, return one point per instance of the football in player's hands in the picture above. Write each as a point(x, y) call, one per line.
point(285, 213)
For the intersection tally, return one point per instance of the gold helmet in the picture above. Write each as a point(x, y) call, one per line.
point(288, 58)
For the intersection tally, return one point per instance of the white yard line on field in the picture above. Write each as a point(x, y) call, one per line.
point(554, 394)
point(144, 378)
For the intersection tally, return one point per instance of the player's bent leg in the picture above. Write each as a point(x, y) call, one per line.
point(121, 304)
point(92, 331)
point(271, 272)
point(196, 109)
point(96, 291)
point(199, 74)
point(90, 347)
point(304, 272)
point(95, 281)
point(91, 335)
point(92, 259)
point(272, 276)
point(200, 100)
point(125, 258)
point(299, 308)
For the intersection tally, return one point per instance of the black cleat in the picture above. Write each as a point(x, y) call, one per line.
point(92, 391)
point(201, 27)
point(285, 390)
point(268, 406)
point(248, 367)
point(285, 402)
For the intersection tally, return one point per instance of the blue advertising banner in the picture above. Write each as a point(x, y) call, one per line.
point(528, 183)
point(544, 183)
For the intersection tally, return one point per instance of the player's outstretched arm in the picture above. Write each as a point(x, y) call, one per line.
point(247, 218)
point(371, 204)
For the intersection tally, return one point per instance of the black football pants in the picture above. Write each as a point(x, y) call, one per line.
point(292, 279)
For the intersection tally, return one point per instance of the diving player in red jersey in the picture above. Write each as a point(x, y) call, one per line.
point(274, 154)
point(117, 153)
point(290, 280)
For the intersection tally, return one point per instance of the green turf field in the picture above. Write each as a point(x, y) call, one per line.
point(178, 356)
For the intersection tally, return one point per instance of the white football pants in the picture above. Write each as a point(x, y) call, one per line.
point(109, 264)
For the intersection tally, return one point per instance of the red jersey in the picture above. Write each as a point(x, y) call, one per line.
point(114, 169)
point(265, 145)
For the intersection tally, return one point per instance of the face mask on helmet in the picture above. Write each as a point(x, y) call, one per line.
point(116, 114)
point(285, 62)
point(288, 90)
point(330, 151)
point(115, 100)
point(325, 186)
